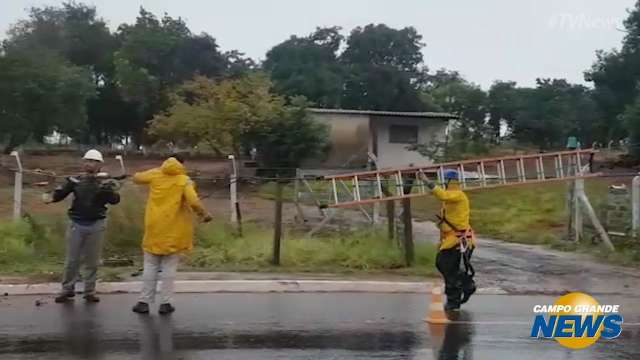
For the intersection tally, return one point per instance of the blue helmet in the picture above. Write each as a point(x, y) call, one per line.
point(451, 175)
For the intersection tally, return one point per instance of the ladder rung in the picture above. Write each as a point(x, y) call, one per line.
point(463, 180)
point(399, 184)
point(579, 164)
point(420, 181)
point(483, 174)
point(541, 175)
point(356, 188)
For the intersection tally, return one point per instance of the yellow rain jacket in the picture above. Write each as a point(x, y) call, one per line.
point(168, 221)
point(455, 208)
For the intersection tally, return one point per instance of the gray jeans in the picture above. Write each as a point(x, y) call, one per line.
point(84, 242)
point(152, 265)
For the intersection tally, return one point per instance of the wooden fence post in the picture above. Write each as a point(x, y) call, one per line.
point(408, 232)
point(239, 216)
point(409, 255)
point(391, 219)
point(277, 233)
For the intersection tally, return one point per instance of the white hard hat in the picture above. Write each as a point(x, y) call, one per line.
point(93, 155)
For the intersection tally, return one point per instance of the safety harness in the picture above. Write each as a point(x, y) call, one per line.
point(464, 237)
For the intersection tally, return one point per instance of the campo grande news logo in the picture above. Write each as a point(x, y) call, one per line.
point(577, 321)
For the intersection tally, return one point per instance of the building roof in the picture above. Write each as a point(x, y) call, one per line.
point(426, 115)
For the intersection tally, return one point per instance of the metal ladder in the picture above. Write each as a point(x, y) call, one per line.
point(392, 184)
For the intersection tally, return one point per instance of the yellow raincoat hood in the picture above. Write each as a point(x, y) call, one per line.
point(169, 220)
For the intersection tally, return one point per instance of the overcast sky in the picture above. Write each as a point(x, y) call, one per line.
point(485, 40)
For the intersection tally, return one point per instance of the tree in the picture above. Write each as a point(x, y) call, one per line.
point(73, 31)
point(291, 137)
point(453, 94)
point(41, 92)
point(238, 64)
point(308, 66)
point(631, 119)
point(157, 55)
point(382, 67)
point(615, 75)
point(503, 102)
point(233, 114)
point(554, 110)
point(74, 34)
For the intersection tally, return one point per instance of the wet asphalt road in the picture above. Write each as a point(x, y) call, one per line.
point(528, 269)
point(291, 326)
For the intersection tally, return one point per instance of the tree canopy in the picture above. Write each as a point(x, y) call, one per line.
point(62, 69)
point(227, 114)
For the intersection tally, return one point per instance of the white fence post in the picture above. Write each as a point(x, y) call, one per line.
point(635, 206)
point(17, 189)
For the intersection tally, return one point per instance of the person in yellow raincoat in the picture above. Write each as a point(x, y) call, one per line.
point(457, 241)
point(168, 229)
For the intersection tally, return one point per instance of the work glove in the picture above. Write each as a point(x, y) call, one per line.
point(109, 185)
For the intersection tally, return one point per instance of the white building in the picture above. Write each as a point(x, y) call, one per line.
point(386, 134)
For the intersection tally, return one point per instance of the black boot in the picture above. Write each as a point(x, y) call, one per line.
point(166, 309)
point(467, 292)
point(452, 305)
point(91, 298)
point(64, 298)
point(141, 308)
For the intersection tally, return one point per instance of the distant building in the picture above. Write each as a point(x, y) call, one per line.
point(386, 134)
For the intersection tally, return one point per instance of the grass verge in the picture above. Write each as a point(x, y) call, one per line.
point(35, 246)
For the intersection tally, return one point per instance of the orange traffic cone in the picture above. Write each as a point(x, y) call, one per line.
point(436, 314)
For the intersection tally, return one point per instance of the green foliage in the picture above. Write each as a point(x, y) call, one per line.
point(157, 54)
point(503, 102)
point(362, 251)
point(459, 146)
point(308, 66)
point(73, 31)
point(378, 70)
point(16, 245)
point(125, 224)
point(38, 76)
point(553, 111)
point(631, 120)
point(244, 111)
point(382, 67)
point(455, 95)
point(615, 75)
point(291, 137)
point(71, 34)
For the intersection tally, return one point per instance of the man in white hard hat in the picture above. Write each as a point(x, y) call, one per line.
point(87, 224)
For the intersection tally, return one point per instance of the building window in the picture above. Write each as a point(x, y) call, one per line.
point(403, 134)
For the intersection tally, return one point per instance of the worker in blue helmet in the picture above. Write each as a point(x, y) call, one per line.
point(457, 240)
